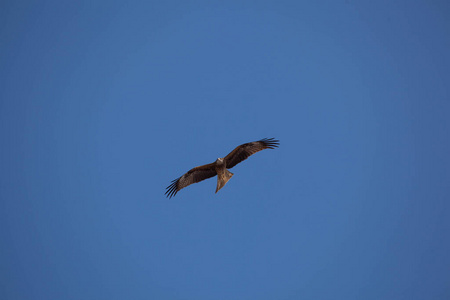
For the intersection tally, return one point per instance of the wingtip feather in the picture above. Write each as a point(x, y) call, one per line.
point(270, 143)
point(172, 190)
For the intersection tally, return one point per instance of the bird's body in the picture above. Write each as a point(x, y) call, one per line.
point(220, 166)
point(223, 175)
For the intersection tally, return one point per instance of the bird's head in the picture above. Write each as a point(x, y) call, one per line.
point(219, 160)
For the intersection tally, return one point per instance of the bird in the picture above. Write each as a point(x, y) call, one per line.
point(220, 166)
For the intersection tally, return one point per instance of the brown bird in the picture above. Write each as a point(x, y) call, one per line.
point(220, 166)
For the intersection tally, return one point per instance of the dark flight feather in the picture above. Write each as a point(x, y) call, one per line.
point(194, 175)
point(243, 151)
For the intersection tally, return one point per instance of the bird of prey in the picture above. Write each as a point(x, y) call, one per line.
point(220, 166)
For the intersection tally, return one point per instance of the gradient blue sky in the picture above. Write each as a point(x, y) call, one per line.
point(103, 103)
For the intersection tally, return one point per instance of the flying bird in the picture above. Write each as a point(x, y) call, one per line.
point(220, 166)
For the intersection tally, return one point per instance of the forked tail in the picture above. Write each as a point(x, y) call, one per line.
point(223, 178)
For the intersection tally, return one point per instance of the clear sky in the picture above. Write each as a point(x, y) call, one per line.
point(103, 103)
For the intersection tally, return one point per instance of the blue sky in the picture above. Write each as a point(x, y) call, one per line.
point(103, 103)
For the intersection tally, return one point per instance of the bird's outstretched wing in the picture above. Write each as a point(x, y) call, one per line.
point(243, 151)
point(194, 175)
